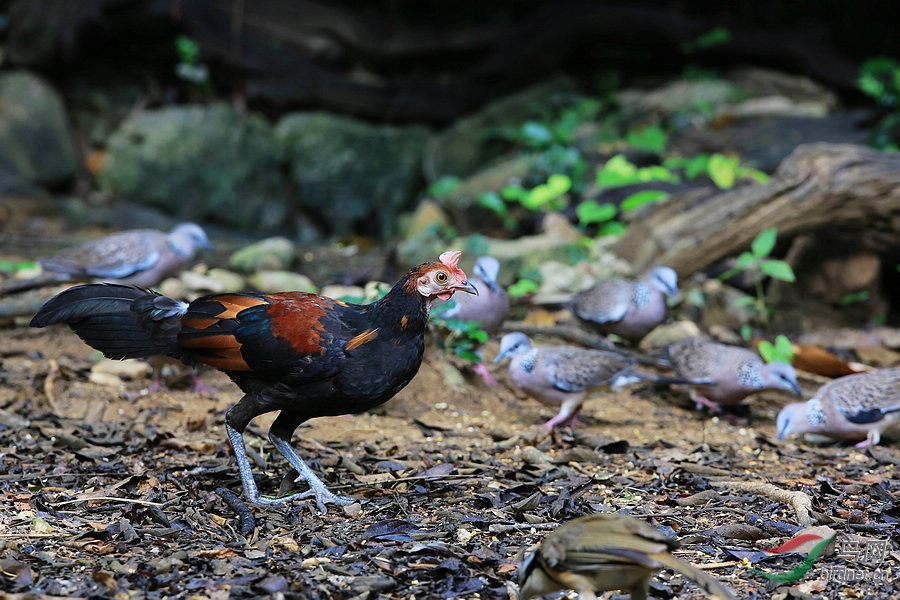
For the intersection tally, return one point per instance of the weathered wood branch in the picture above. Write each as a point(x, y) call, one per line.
point(819, 187)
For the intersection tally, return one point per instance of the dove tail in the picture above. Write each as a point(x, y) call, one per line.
point(707, 583)
point(121, 321)
point(629, 376)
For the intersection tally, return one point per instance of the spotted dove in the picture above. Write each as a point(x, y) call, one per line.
point(723, 375)
point(865, 405)
point(627, 308)
point(141, 257)
point(561, 376)
point(491, 306)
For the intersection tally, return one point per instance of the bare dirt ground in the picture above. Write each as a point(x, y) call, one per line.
point(110, 492)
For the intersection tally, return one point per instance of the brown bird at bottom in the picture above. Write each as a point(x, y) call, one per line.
point(302, 354)
point(606, 551)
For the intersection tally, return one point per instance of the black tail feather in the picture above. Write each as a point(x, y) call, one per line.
point(121, 321)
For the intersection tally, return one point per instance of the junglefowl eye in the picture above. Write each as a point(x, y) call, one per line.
point(441, 277)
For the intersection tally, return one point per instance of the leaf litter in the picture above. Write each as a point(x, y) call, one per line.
point(112, 492)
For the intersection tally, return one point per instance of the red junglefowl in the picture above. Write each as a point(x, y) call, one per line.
point(303, 354)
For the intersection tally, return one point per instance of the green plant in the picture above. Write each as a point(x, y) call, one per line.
point(548, 196)
point(724, 171)
point(757, 265)
point(444, 186)
point(494, 203)
point(523, 287)
point(8, 266)
point(464, 339)
point(781, 351)
point(190, 67)
point(652, 138)
point(879, 78)
point(619, 171)
point(712, 38)
point(854, 298)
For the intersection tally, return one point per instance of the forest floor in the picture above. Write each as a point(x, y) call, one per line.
point(109, 491)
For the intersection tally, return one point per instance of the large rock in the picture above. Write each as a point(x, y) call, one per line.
point(35, 140)
point(354, 176)
point(199, 162)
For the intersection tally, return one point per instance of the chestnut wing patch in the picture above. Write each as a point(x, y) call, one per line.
point(274, 335)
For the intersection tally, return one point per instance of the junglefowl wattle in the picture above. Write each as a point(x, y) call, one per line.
point(302, 354)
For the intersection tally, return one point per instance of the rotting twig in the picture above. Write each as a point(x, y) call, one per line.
point(108, 499)
point(48, 386)
point(245, 515)
point(799, 501)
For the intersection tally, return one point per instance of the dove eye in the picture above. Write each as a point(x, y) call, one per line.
point(441, 277)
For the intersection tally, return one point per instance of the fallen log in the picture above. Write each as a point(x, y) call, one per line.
point(842, 190)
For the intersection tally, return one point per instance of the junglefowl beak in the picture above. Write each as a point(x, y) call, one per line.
point(466, 287)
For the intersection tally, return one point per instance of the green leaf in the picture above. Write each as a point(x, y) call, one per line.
point(880, 78)
point(546, 193)
point(639, 199)
point(479, 335)
point(522, 287)
point(766, 350)
point(723, 170)
point(714, 37)
point(778, 269)
point(538, 197)
point(854, 297)
point(784, 347)
point(744, 260)
point(746, 332)
point(19, 265)
point(611, 228)
point(188, 50)
point(764, 243)
point(780, 351)
point(616, 172)
point(754, 174)
point(536, 133)
point(590, 211)
point(468, 355)
point(443, 187)
point(657, 173)
point(493, 202)
point(697, 166)
point(559, 183)
point(652, 139)
point(744, 301)
point(514, 192)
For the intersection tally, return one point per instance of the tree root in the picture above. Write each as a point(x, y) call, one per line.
point(799, 501)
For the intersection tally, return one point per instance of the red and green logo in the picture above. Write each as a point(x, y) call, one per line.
point(806, 541)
